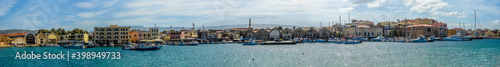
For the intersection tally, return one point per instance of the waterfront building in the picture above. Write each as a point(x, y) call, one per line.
point(203, 35)
point(440, 29)
point(460, 30)
point(311, 32)
point(387, 26)
point(363, 30)
point(298, 33)
point(21, 38)
point(249, 34)
point(324, 33)
point(73, 37)
point(425, 21)
point(177, 35)
point(112, 34)
point(287, 34)
point(420, 29)
point(361, 22)
point(262, 34)
point(47, 38)
point(274, 34)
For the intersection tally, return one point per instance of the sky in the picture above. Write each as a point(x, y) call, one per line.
point(87, 14)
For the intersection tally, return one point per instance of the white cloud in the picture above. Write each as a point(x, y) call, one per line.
point(7, 4)
point(492, 24)
point(91, 14)
point(375, 4)
point(369, 3)
point(495, 22)
point(85, 5)
point(110, 3)
point(433, 7)
point(346, 9)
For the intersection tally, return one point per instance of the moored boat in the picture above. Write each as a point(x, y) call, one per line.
point(76, 45)
point(419, 39)
point(379, 38)
point(350, 41)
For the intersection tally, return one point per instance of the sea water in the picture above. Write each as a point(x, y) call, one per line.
point(481, 52)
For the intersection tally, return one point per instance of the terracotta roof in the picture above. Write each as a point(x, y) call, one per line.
point(14, 34)
point(420, 25)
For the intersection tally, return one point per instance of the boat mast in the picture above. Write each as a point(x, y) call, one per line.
point(475, 17)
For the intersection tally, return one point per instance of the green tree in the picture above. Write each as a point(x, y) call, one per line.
point(63, 32)
point(280, 28)
point(43, 31)
point(53, 30)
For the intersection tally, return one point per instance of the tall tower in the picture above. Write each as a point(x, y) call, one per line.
point(249, 23)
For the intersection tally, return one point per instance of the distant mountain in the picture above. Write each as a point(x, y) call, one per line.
point(256, 26)
point(15, 31)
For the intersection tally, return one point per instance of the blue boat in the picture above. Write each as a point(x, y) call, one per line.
point(249, 43)
point(352, 42)
point(319, 40)
point(297, 40)
point(306, 40)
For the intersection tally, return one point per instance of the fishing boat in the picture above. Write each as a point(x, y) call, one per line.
point(453, 38)
point(249, 43)
point(278, 43)
point(419, 39)
point(379, 38)
point(332, 40)
point(191, 44)
point(429, 39)
point(320, 40)
point(76, 45)
point(360, 38)
point(307, 40)
point(142, 46)
point(297, 40)
point(351, 41)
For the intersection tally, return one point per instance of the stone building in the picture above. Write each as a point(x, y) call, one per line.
point(298, 33)
point(287, 34)
point(324, 33)
point(274, 34)
point(311, 33)
point(112, 34)
point(262, 34)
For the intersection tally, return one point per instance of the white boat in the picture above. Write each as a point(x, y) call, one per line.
point(360, 38)
point(419, 40)
point(336, 40)
point(453, 38)
point(352, 42)
point(379, 38)
point(319, 40)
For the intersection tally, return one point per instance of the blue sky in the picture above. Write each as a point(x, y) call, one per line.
point(86, 14)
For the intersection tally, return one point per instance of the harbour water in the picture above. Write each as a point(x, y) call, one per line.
point(482, 52)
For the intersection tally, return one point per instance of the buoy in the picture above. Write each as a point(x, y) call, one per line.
point(253, 59)
point(302, 53)
point(387, 49)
